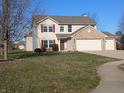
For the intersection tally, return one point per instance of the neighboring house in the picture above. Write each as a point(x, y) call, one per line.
point(29, 42)
point(108, 34)
point(20, 45)
point(71, 33)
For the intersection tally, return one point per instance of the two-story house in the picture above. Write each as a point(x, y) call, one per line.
point(71, 33)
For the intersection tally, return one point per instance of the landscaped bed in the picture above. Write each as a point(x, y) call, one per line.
point(51, 73)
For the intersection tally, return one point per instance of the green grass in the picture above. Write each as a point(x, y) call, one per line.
point(51, 73)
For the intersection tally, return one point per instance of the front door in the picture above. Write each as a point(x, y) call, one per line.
point(62, 44)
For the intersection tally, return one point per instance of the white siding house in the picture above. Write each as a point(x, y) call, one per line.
point(71, 33)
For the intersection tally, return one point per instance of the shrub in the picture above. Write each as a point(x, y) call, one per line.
point(55, 47)
point(44, 49)
point(38, 50)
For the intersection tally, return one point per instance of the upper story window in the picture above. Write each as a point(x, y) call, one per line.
point(61, 28)
point(50, 29)
point(69, 28)
point(47, 28)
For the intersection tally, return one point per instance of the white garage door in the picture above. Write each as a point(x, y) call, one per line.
point(88, 45)
point(109, 45)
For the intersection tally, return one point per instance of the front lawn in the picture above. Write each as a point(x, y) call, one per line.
point(53, 73)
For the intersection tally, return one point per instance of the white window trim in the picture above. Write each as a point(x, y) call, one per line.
point(48, 27)
point(63, 28)
point(69, 28)
point(48, 43)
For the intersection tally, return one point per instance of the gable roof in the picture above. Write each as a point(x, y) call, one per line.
point(79, 29)
point(88, 32)
point(67, 19)
point(108, 33)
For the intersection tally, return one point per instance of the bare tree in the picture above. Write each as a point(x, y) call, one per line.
point(21, 12)
point(120, 32)
point(5, 25)
point(16, 16)
point(121, 24)
point(95, 18)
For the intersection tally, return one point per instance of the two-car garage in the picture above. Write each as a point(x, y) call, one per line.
point(86, 45)
point(90, 39)
point(95, 45)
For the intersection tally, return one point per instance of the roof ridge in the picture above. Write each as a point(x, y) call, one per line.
point(59, 16)
point(67, 19)
point(79, 29)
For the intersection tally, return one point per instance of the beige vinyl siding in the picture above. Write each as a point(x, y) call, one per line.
point(70, 45)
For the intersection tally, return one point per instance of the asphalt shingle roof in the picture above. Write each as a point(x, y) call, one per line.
point(67, 19)
point(108, 33)
point(63, 35)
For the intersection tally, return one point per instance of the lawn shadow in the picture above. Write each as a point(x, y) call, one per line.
point(28, 54)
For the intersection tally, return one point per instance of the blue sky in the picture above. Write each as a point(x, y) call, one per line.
point(108, 12)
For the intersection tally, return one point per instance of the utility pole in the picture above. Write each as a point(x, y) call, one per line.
point(5, 25)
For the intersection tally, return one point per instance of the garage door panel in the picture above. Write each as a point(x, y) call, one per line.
point(109, 45)
point(88, 45)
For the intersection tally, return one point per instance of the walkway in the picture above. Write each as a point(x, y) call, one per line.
point(112, 78)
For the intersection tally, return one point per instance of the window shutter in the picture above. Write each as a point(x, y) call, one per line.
point(54, 28)
point(42, 44)
point(53, 41)
point(42, 28)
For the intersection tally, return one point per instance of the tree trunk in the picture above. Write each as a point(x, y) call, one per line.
point(5, 25)
point(5, 50)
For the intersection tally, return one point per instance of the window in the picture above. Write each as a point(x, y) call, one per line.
point(48, 43)
point(69, 28)
point(45, 28)
point(45, 43)
point(61, 28)
point(51, 42)
point(50, 29)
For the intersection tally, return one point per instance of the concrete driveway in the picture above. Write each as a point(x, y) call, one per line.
point(114, 54)
point(112, 78)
